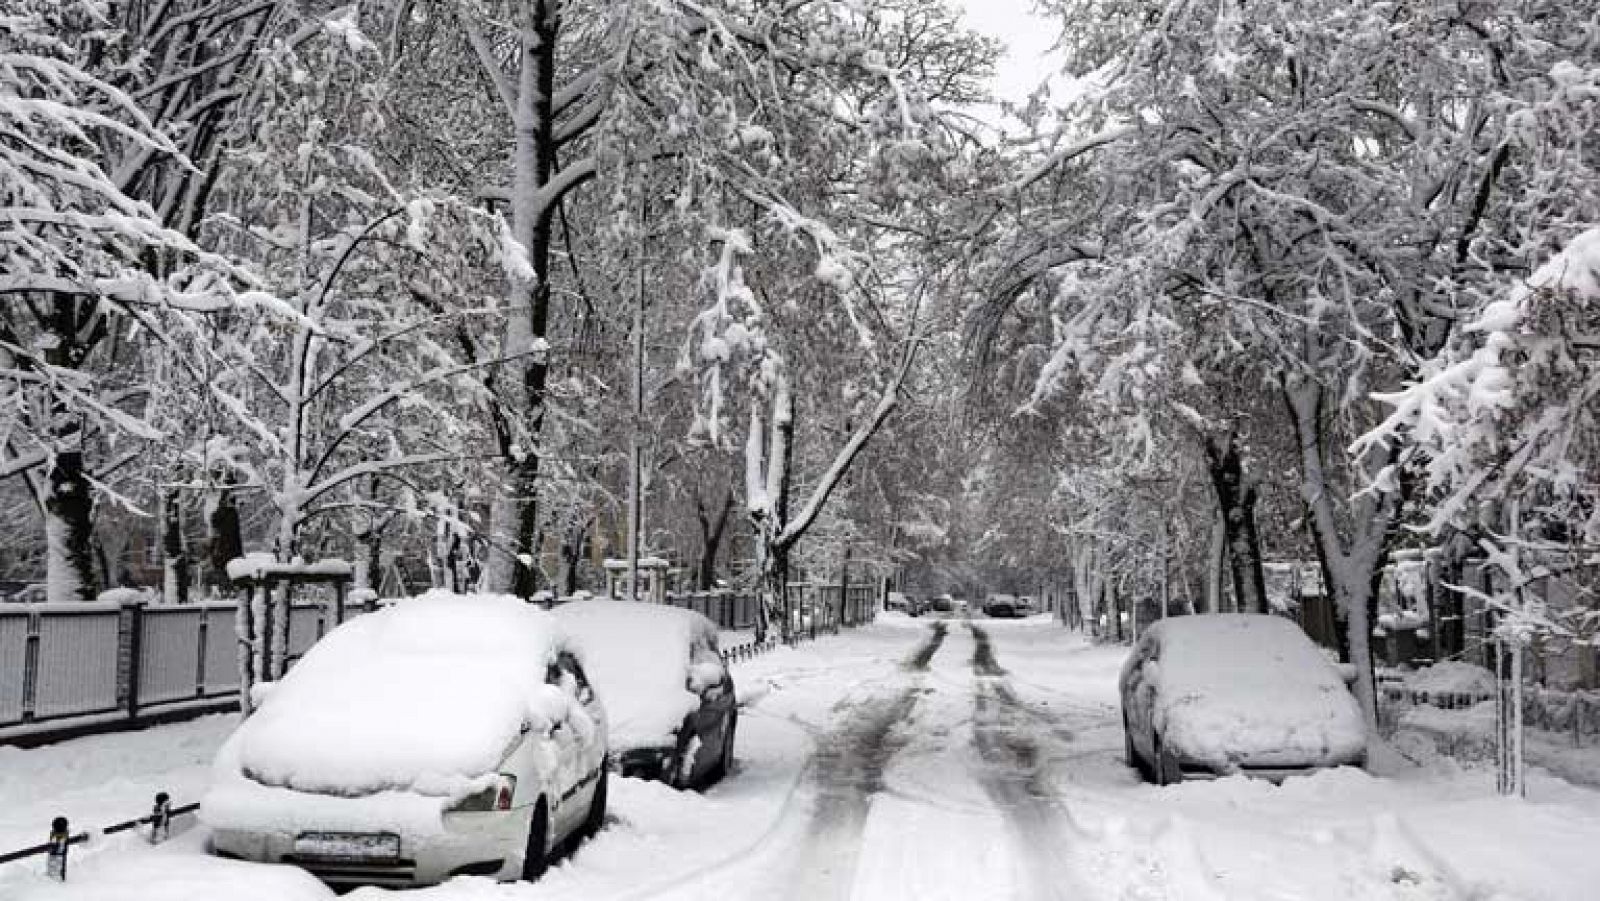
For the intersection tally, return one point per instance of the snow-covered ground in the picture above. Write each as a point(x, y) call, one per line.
point(886, 763)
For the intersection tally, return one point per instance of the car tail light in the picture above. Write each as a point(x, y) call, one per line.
point(498, 796)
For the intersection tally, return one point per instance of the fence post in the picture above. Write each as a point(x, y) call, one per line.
point(60, 839)
point(130, 643)
point(161, 819)
point(201, 639)
point(30, 667)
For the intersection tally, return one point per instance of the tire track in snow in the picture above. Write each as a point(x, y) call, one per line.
point(1016, 780)
point(848, 769)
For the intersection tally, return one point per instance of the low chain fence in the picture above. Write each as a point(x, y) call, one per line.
point(57, 846)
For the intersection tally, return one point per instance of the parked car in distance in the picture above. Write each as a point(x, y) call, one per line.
point(1218, 694)
point(897, 601)
point(1001, 606)
point(669, 696)
point(445, 735)
point(1026, 605)
point(943, 603)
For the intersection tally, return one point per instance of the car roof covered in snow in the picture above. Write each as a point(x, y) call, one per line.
point(422, 696)
point(640, 658)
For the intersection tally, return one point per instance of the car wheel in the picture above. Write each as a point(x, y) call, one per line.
point(725, 759)
point(1129, 754)
point(597, 806)
point(535, 858)
point(1166, 764)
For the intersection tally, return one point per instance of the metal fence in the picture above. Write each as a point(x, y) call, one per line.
point(71, 669)
point(66, 669)
point(1576, 713)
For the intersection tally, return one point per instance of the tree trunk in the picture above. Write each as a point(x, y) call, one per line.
point(711, 532)
point(1216, 561)
point(1349, 565)
point(1236, 498)
point(174, 552)
point(512, 566)
point(572, 555)
point(223, 541)
point(69, 529)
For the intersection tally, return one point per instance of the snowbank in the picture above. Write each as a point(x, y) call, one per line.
point(422, 697)
point(144, 874)
point(640, 657)
point(1234, 690)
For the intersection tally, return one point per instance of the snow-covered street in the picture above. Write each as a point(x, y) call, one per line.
point(961, 759)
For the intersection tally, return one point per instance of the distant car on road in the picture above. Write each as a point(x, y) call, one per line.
point(943, 603)
point(667, 692)
point(444, 736)
point(1001, 606)
point(897, 601)
point(1212, 695)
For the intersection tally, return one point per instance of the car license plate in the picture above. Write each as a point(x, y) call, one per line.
point(348, 845)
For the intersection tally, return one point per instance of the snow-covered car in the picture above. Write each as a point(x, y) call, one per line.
point(670, 699)
point(445, 735)
point(1001, 606)
point(1213, 695)
point(1026, 606)
point(897, 601)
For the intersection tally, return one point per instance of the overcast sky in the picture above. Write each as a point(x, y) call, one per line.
point(1027, 37)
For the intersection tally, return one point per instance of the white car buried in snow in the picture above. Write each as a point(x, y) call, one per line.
point(673, 714)
point(446, 735)
point(1212, 695)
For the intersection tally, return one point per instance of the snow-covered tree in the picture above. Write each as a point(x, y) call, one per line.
point(89, 268)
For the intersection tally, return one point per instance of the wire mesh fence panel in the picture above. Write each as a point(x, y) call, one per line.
point(304, 624)
point(220, 672)
point(13, 663)
point(77, 662)
point(169, 654)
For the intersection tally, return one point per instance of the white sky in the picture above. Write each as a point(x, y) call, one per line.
point(1028, 39)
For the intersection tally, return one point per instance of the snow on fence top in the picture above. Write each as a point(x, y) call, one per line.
point(258, 566)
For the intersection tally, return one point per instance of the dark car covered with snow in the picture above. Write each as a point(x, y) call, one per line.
point(669, 697)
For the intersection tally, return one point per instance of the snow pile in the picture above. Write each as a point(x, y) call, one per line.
point(1237, 689)
point(641, 660)
point(422, 697)
point(146, 874)
point(1452, 676)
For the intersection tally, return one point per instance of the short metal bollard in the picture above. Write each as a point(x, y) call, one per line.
point(161, 819)
point(56, 862)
